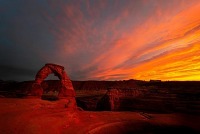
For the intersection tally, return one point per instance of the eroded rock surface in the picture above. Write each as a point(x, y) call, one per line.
point(66, 89)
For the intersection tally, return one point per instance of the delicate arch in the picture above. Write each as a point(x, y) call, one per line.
point(66, 84)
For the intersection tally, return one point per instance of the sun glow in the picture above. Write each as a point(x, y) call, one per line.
point(165, 50)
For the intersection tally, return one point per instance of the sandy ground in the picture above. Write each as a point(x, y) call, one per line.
point(36, 116)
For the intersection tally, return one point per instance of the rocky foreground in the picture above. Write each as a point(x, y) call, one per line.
point(114, 107)
point(36, 116)
point(129, 95)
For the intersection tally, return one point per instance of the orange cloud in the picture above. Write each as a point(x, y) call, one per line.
point(167, 49)
point(180, 64)
point(158, 41)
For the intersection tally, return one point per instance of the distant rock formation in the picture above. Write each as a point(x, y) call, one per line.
point(66, 89)
point(131, 95)
point(117, 99)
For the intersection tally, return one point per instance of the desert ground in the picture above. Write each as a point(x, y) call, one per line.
point(36, 116)
point(145, 108)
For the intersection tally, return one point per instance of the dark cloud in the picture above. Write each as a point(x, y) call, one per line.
point(8, 72)
point(91, 39)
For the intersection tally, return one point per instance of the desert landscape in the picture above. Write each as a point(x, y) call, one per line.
point(138, 107)
point(99, 66)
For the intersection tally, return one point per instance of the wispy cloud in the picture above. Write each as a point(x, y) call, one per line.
point(149, 41)
point(103, 39)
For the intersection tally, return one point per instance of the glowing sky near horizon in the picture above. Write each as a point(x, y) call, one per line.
point(101, 39)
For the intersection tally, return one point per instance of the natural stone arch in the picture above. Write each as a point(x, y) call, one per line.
point(66, 90)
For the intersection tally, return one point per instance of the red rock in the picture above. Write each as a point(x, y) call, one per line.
point(66, 90)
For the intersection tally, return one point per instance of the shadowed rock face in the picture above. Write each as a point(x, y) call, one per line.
point(132, 95)
point(140, 127)
point(66, 89)
point(117, 99)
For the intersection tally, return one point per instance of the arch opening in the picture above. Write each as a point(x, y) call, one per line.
point(64, 88)
point(51, 87)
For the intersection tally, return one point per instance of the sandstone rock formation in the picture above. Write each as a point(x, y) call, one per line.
point(164, 97)
point(66, 90)
point(116, 99)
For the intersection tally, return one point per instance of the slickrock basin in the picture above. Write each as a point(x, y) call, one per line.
point(133, 127)
point(37, 116)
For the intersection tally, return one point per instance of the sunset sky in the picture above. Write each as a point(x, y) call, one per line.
point(101, 39)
